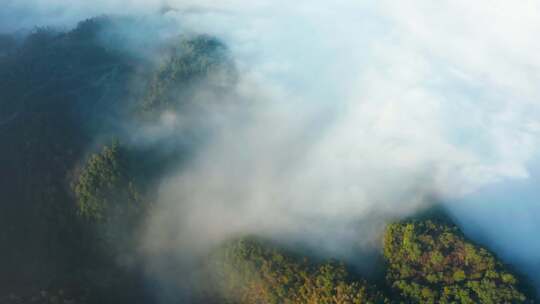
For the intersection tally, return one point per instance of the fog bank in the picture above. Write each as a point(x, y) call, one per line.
point(358, 111)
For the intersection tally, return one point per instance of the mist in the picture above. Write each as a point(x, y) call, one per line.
point(346, 115)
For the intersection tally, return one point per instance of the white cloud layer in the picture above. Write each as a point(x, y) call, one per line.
point(359, 107)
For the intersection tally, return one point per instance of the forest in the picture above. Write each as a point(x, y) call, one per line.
point(79, 180)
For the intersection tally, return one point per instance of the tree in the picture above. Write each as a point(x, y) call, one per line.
point(251, 271)
point(434, 263)
point(104, 189)
point(192, 62)
point(109, 200)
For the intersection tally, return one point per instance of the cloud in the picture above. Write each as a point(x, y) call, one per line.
point(355, 108)
point(376, 107)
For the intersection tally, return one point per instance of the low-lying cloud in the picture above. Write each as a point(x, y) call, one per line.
point(356, 109)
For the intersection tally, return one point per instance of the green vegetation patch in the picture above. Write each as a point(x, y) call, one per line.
point(104, 189)
point(193, 62)
point(434, 263)
point(248, 271)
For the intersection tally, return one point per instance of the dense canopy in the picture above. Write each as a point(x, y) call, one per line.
point(433, 263)
point(79, 183)
point(248, 271)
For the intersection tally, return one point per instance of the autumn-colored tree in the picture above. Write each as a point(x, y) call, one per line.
point(250, 271)
point(430, 262)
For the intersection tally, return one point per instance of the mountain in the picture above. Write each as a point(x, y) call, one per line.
point(79, 179)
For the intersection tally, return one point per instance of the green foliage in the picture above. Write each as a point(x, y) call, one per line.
point(248, 271)
point(104, 189)
point(52, 85)
point(191, 62)
point(60, 91)
point(110, 202)
point(433, 263)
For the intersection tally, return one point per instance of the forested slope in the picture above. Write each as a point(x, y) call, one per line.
point(69, 165)
point(78, 179)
